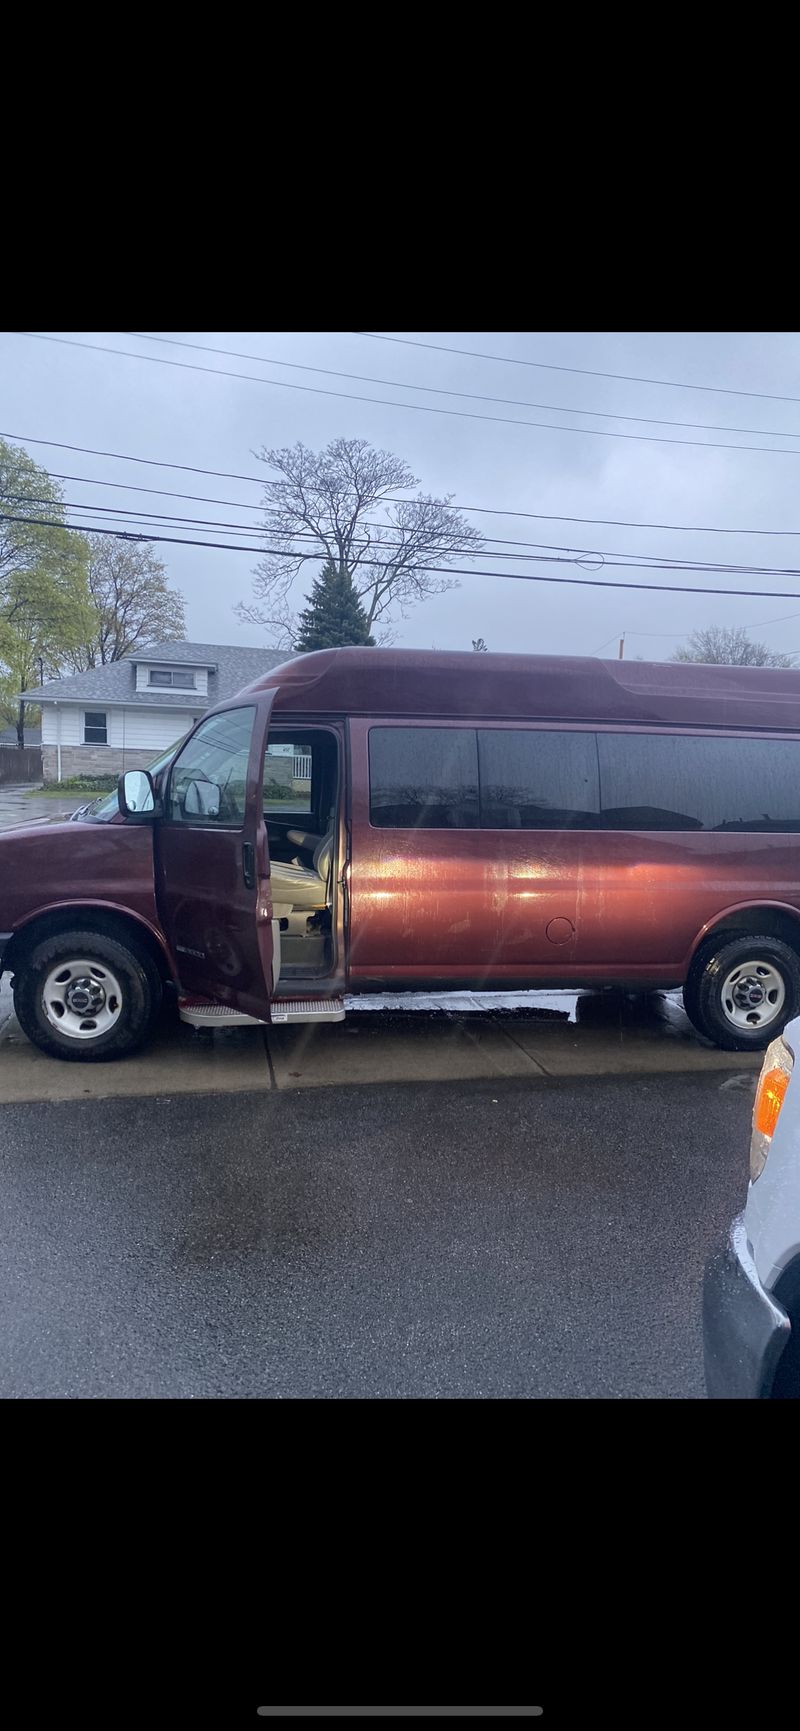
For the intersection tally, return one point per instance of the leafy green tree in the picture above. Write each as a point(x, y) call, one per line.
point(334, 616)
point(19, 671)
point(44, 596)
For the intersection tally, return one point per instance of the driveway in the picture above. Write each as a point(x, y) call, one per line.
point(524, 1237)
point(453, 1201)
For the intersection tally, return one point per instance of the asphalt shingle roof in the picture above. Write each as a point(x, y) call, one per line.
point(183, 654)
point(234, 667)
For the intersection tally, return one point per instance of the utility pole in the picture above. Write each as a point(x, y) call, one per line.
point(621, 647)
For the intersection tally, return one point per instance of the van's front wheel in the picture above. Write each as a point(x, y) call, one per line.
point(740, 994)
point(85, 996)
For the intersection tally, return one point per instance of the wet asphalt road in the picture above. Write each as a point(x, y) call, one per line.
point(491, 1239)
point(24, 804)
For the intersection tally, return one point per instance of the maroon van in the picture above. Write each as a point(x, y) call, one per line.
point(367, 818)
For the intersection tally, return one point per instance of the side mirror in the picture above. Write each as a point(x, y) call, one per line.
point(136, 794)
point(201, 799)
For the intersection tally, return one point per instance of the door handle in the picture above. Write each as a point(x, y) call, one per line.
point(249, 864)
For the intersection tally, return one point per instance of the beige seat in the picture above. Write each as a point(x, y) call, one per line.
point(299, 889)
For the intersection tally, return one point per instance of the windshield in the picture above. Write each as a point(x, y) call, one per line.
point(106, 806)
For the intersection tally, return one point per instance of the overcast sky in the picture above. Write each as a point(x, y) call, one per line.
point(53, 391)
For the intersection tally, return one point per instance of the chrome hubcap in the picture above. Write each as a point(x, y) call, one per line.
point(753, 995)
point(82, 999)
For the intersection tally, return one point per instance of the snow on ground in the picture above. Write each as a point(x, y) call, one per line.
point(557, 1002)
point(464, 1003)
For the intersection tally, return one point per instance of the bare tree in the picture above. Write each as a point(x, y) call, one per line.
point(729, 646)
point(478, 643)
point(341, 505)
point(132, 603)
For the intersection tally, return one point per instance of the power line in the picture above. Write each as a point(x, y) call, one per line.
point(125, 457)
point(145, 520)
point(497, 540)
point(240, 504)
point(781, 620)
point(585, 372)
point(244, 505)
point(157, 516)
point(752, 626)
point(416, 408)
point(245, 528)
point(127, 535)
point(644, 561)
point(446, 570)
point(479, 510)
point(470, 396)
point(160, 492)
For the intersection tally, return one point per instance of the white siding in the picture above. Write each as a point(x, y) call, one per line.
point(142, 729)
point(143, 677)
point(71, 719)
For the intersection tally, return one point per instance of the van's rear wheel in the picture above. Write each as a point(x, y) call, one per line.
point(85, 996)
point(740, 994)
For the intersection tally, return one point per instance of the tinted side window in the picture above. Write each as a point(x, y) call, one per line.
point(538, 780)
point(209, 778)
point(423, 778)
point(653, 781)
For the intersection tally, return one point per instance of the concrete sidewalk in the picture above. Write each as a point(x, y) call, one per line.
point(593, 1035)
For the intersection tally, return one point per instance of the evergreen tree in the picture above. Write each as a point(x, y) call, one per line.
point(334, 616)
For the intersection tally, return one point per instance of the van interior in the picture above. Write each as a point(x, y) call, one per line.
point(301, 780)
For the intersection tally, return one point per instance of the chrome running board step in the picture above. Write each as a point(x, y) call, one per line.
point(199, 1013)
point(306, 1010)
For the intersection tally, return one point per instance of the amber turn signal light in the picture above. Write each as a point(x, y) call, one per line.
point(776, 1074)
point(769, 1100)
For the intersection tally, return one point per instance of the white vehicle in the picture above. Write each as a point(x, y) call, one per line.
point(751, 1294)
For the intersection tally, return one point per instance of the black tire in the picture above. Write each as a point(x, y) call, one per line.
point(135, 1005)
point(711, 970)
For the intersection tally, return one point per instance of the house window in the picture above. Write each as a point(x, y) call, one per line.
point(172, 677)
point(95, 731)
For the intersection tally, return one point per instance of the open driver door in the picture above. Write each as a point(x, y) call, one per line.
point(212, 862)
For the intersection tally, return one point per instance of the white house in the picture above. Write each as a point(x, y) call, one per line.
point(125, 714)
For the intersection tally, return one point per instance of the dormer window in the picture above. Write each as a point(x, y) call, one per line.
point(175, 678)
